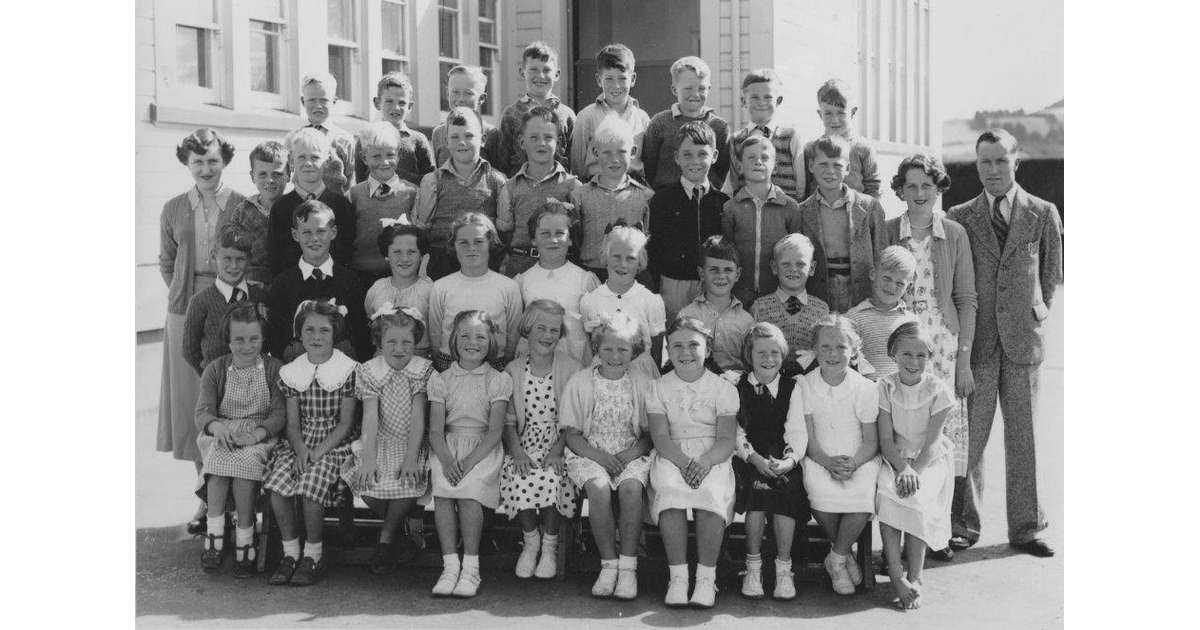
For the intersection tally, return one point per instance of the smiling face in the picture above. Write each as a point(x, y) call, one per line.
point(833, 351)
point(911, 356)
point(269, 178)
point(308, 163)
point(394, 104)
point(614, 158)
point(316, 333)
point(791, 267)
point(473, 342)
point(404, 257)
point(695, 160)
point(544, 334)
point(829, 172)
point(920, 191)
point(552, 238)
point(539, 139)
point(231, 265)
point(464, 142)
point(888, 286)
point(836, 119)
point(316, 101)
point(245, 342)
point(464, 91)
point(315, 234)
point(396, 345)
point(381, 161)
point(206, 168)
point(997, 167)
point(687, 350)
point(718, 276)
point(758, 162)
point(691, 93)
point(623, 263)
point(471, 246)
point(539, 76)
point(615, 353)
point(761, 99)
point(615, 85)
point(766, 358)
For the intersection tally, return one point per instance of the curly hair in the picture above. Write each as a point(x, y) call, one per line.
point(927, 164)
point(200, 142)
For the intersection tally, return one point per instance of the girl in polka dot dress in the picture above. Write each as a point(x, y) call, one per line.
point(534, 479)
point(389, 467)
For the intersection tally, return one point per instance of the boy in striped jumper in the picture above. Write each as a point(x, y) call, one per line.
point(875, 318)
point(690, 82)
point(762, 92)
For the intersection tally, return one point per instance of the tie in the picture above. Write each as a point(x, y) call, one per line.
point(318, 127)
point(766, 132)
point(697, 193)
point(310, 197)
point(237, 296)
point(793, 305)
point(318, 274)
point(383, 191)
point(998, 223)
point(758, 388)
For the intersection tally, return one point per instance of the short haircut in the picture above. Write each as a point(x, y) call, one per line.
point(541, 307)
point(463, 117)
point(243, 312)
point(695, 64)
point(234, 236)
point(323, 79)
point(762, 330)
point(927, 164)
point(621, 326)
point(379, 134)
point(762, 75)
point(474, 218)
point(541, 51)
point(388, 235)
point(396, 319)
point(718, 247)
point(311, 208)
point(466, 317)
point(835, 92)
point(839, 323)
point(540, 112)
point(684, 322)
point(612, 130)
point(475, 72)
point(910, 329)
point(395, 78)
point(754, 141)
point(698, 132)
point(998, 136)
point(615, 57)
point(832, 146)
point(634, 237)
point(270, 151)
point(796, 242)
point(308, 138)
point(896, 258)
point(200, 142)
point(556, 208)
point(322, 308)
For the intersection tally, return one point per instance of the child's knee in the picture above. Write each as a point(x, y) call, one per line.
point(629, 492)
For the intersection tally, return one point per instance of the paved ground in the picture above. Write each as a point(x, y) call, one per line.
point(985, 587)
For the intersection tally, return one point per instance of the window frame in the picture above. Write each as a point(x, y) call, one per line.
point(272, 100)
point(347, 105)
point(174, 89)
point(389, 54)
point(493, 71)
point(457, 12)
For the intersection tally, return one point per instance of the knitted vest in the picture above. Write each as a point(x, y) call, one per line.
point(366, 259)
point(528, 199)
point(785, 163)
point(762, 417)
point(453, 199)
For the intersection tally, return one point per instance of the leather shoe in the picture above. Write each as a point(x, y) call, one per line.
point(941, 555)
point(197, 527)
point(1036, 547)
point(961, 542)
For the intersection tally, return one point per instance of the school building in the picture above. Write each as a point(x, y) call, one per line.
point(236, 65)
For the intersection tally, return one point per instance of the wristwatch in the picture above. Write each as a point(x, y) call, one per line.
point(964, 348)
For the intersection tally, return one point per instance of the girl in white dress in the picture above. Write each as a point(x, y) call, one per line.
point(916, 486)
point(693, 421)
point(467, 404)
point(604, 420)
point(840, 408)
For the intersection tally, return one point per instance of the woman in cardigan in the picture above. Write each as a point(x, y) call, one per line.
point(188, 229)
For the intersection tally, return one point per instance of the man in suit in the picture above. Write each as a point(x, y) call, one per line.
point(1016, 244)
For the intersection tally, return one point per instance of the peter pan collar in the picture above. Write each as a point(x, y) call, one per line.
point(330, 375)
point(458, 370)
point(379, 369)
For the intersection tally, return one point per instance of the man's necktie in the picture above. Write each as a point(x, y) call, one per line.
point(793, 305)
point(310, 197)
point(237, 296)
point(318, 274)
point(766, 131)
point(998, 223)
point(383, 191)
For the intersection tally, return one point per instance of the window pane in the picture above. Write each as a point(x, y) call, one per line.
point(396, 65)
point(265, 8)
point(198, 11)
point(487, 32)
point(487, 9)
point(443, 70)
point(339, 67)
point(448, 34)
point(191, 56)
point(448, 4)
point(394, 28)
point(264, 57)
point(487, 61)
point(341, 19)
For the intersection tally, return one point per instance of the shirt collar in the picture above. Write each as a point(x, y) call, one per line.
point(734, 303)
point(841, 202)
point(939, 229)
point(551, 99)
point(900, 307)
point(1011, 196)
point(326, 268)
point(256, 199)
point(226, 289)
point(558, 168)
point(480, 164)
point(626, 182)
point(459, 370)
point(316, 193)
point(772, 387)
point(678, 113)
point(773, 196)
point(688, 185)
point(221, 196)
point(258, 364)
point(784, 295)
point(771, 126)
point(374, 184)
point(603, 104)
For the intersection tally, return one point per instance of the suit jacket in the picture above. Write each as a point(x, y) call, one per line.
point(1017, 285)
point(868, 237)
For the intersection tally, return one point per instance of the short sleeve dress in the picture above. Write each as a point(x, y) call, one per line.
point(392, 390)
point(838, 412)
point(246, 401)
point(542, 487)
point(611, 430)
point(926, 513)
point(415, 296)
point(468, 396)
point(319, 390)
point(692, 410)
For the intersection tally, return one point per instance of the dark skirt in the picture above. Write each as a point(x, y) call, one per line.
point(783, 495)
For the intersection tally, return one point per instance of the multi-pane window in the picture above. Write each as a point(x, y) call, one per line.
point(343, 44)
point(267, 25)
point(196, 27)
point(489, 50)
point(449, 48)
point(394, 18)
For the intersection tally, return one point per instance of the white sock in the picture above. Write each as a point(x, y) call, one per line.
point(627, 562)
point(782, 565)
point(245, 538)
point(450, 561)
point(532, 540)
point(216, 527)
point(470, 563)
point(754, 561)
point(613, 563)
point(313, 550)
point(678, 571)
point(549, 540)
point(706, 572)
point(292, 548)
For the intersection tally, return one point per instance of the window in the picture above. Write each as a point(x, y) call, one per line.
point(267, 25)
point(395, 35)
point(449, 50)
point(489, 51)
point(343, 46)
point(196, 31)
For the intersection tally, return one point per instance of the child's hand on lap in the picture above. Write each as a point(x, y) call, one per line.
point(246, 437)
point(765, 468)
point(366, 474)
point(302, 461)
point(522, 465)
point(696, 472)
point(452, 470)
point(626, 456)
point(220, 431)
point(611, 463)
point(782, 466)
point(554, 462)
point(907, 482)
point(409, 469)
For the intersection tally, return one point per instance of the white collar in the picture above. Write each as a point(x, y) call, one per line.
point(771, 126)
point(374, 184)
point(1011, 196)
point(316, 193)
point(306, 270)
point(523, 172)
point(677, 112)
point(772, 387)
point(689, 185)
point(226, 289)
point(459, 370)
point(330, 375)
point(784, 295)
point(939, 230)
point(221, 197)
point(379, 368)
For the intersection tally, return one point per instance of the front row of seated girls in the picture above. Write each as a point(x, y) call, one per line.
point(524, 440)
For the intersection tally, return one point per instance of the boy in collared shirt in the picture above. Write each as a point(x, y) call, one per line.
point(690, 82)
point(269, 172)
point(466, 86)
point(414, 155)
point(790, 307)
point(837, 108)
point(717, 307)
point(846, 227)
point(616, 77)
point(381, 195)
point(539, 68)
point(318, 95)
point(762, 92)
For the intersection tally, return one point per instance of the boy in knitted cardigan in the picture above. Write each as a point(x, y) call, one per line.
point(202, 325)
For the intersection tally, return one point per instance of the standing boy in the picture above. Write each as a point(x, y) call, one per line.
point(837, 108)
point(616, 77)
point(414, 157)
point(790, 306)
point(382, 194)
point(539, 69)
point(717, 307)
point(690, 82)
point(762, 92)
point(318, 95)
point(309, 153)
point(466, 86)
point(269, 172)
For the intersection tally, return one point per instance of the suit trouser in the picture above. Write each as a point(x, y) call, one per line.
point(1016, 386)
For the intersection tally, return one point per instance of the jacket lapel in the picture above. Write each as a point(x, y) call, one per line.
point(1021, 220)
point(981, 224)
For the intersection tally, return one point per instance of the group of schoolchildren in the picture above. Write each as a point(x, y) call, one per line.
point(657, 313)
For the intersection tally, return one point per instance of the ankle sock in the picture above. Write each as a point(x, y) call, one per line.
point(627, 562)
point(604, 564)
point(292, 548)
point(314, 550)
point(782, 565)
point(549, 540)
point(216, 527)
point(532, 540)
point(703, 572)
point(450, 561)
point(754, 561)
point(245, 538)
point(678, 571)
point(470, 563)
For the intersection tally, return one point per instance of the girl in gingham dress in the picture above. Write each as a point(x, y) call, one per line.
point(389, 467)
point(534, 478)
point(319, 389)
point(238, 414)
point(467, 404)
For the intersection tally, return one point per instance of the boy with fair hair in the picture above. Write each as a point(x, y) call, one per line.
point(382, 194)
point(846, 227)
point(615, 75)
point(269, 172)
point(394, 98)
point(466, 86)
point(874, 319)
point(762, 93)
point(690, 82)
point(611, 197)
point(837, 108)
point(790, 307)
point(539, 69)
point(757, 217)
point(717, 307)
point(309, 153)
point(318, 95)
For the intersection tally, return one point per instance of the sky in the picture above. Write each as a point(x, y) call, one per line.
point(996, 55)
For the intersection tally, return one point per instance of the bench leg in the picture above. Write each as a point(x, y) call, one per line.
point(264, 535)
point(566, 534)
point(865, 558)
